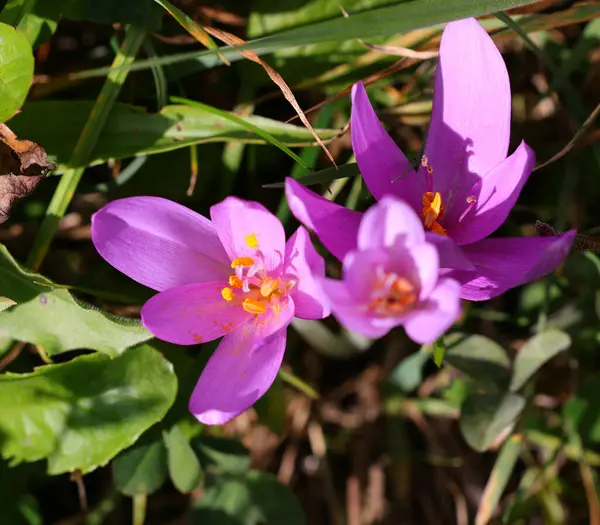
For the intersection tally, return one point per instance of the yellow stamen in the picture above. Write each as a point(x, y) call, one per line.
point(269, 285)
point(235, 281)
point(251, 240)
point(433, 210)
point(242, 261)
point(227, 294)
point(254, 306)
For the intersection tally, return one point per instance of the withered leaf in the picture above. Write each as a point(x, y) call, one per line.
point(23, 165)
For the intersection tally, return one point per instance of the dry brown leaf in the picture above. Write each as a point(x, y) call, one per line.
point(23, 165)
point(233, 40)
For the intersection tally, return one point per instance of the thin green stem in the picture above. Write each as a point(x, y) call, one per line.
point(85, 145)
point(297, 383)
point(139, 509)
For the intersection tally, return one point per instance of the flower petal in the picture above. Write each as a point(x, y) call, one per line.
point(303, 261)
point(500, 189)
point(379, 158)
point(388, 223)
point(192, 314)
point(426, 261)
point(245, 227)
point(159, 243)
point(470, 121)
point(334, 225)
point(451, 256)
point(436, 315)
point(351, 312)
point(275, 318)
point(503, 263)
point(240, 371)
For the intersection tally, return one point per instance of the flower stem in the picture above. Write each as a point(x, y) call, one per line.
point(439, 351)
point(85, 145)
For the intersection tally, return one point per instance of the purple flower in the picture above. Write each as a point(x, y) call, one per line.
point(234, 276)
point(465, 185)
point(392, 278)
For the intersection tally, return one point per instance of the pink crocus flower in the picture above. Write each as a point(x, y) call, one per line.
point(233, 277)
point(465, 185)
point(392, 278)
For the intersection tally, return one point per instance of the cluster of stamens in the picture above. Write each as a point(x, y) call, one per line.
point(393, 294)
point(433, 207)
point(249, 285)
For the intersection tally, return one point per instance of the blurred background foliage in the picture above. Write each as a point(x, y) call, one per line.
point(94, 426)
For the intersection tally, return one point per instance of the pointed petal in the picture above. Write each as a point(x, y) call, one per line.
point(303, 261)
point(159, 243)
point(240, 371)
point(503, 263)
point(451, 256)
point(380, 160)
point(389, 222)
point(351, 313)
point(192, 314)
point(500, 189)
point(470, 120)
point(245, 227)
point(335, 226)
point(437, 314)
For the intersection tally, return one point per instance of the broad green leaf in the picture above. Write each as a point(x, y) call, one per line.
point(184, 467)
point(251, 498)
point(36, 19)
point(485, 417)
point(222, 454)
point(535, 353)
point(51, 317)
point(408, 374)
point(481, 359)
point(16, 70)
point(582, 411)
point(131, 131)
point(142, 468)
point(82, 413)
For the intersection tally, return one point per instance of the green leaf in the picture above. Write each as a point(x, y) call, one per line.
point(271, 407)
point(251, 498)
point(80, 414)
point(537, 351)
point(16, 70)
point(141, 469)
point(184, 467)
point(408, 374)
point(582, 411)
point(485, 417)
point(142, 13)
point(222, 454)
point(36, 19)
point(51, 317)
point(499, 478)
point(481, 359)
point(323, 176)
point(131, 131)
point(439, 351)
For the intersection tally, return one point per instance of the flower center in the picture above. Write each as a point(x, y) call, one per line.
point(393, 294)
point(250, 286)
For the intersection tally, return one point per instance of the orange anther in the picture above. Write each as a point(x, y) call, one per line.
point(235, 281)
point(242, 261)
point(254, 306)
point(227, 294)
